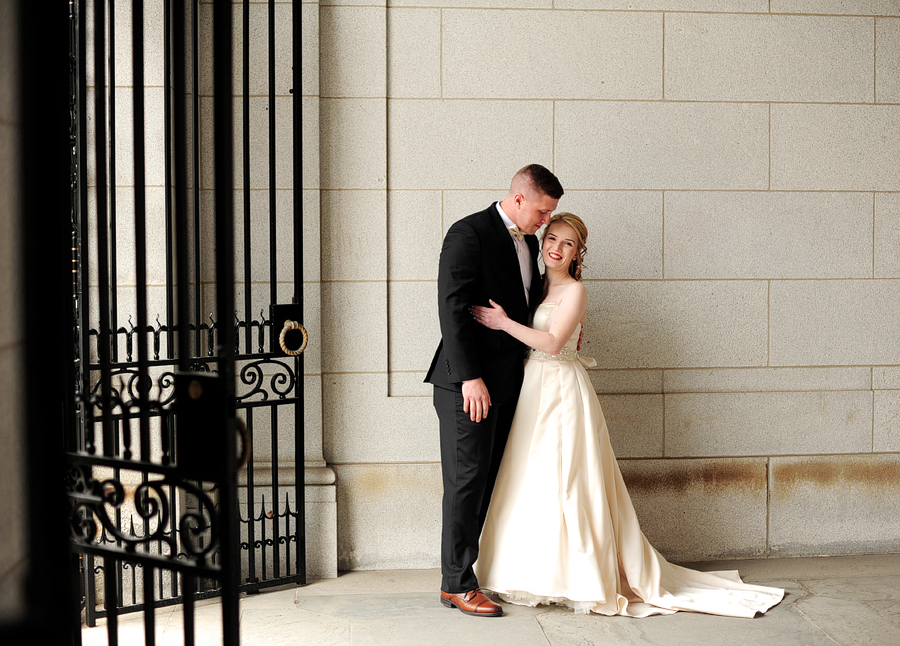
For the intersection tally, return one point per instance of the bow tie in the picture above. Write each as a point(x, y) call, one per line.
point(516, 233)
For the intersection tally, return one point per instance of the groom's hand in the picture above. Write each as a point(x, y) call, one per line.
point(476, 399)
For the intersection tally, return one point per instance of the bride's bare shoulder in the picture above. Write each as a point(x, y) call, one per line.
point(575, 289)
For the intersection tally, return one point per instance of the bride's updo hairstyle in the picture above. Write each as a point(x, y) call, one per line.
point(581, 233)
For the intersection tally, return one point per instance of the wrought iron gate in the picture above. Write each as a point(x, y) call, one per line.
point(170, 370)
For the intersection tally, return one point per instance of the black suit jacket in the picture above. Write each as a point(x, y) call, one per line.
point(479, 262)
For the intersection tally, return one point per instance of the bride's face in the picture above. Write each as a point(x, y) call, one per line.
point(560, 245)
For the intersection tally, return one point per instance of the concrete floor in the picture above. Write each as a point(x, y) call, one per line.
point(848, 601)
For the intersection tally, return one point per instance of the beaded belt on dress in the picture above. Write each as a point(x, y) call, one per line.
point(566, 354)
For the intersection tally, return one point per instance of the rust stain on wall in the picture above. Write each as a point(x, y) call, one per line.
point(677, 478)
point(874, 476)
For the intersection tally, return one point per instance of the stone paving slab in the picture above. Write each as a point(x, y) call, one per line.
point(843, 601)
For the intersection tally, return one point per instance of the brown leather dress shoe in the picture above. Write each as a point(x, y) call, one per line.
point(472, 602)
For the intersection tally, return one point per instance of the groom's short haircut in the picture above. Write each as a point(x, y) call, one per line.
point(543, 180)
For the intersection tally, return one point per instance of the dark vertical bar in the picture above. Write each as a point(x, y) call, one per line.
point(195, 172)
point(149, 596)
point(251, 507)
point(229, 551)
point(299, 368)
point(245, 143)
point(110, 596)
point(167, 137)
point(187, 584)
point(140, 223)
point(83, 237)
point(179, 135)
point(276, 523)
point(273, 194)
point(102, 222)
point(38, 171)
point(113, 264)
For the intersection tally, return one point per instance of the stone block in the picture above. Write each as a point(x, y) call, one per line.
point(355, 340)
point(887, 60)
point(154, 155)
point(353, 235)
point(691, 510)
point(887, 235)
point(830, 505)
point(635, 424)
point(623, 382)
point(619, 145)
point(886, 421)
point(768, 235)
point(604, 55)
point(834, 322)
point(309, 24)
point(352, 135)
point(835, 147)
point(260, 175)
point(415, 233)
point(625, 238)
point(446, 145)
point(885, 378)
point(414, 53)
point(312, 228)
point(258, 37)
point(854, 7)
point(363, 425)
point(409, 384)
point(728, 6)
point(733, 57)
point(459, 204)
point(492, 4)
point(389, 516)
point(676, 324)
point(413, 327)
point(257, 248)
point(743, 380)
point(311, 149)
point(776, 423)
point(352, 51)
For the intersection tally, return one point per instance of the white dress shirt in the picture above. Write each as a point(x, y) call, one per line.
point(521, 251)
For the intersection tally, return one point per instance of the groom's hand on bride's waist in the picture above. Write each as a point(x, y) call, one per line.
point(476, 399)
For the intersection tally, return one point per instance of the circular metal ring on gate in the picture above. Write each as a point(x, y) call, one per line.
point(288, 326)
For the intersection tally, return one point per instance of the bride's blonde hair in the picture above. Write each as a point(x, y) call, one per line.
point(581, 233)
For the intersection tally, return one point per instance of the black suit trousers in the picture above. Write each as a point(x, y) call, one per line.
point(470, 457)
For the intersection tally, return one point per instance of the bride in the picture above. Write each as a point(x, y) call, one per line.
point(560, 527)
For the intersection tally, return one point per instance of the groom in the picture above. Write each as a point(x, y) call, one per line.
point(477, 372)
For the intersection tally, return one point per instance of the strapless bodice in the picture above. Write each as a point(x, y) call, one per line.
point(543, 317)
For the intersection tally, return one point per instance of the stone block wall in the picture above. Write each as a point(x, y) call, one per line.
point(737, 165)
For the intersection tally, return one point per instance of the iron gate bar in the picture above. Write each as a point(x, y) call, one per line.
point(299, 363)
point(113, 260)
point(140, 241)
point(224, 199)
point(273, 186)
point(167, 154)
point(195, 171)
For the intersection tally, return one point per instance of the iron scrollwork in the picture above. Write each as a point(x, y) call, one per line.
point(281, 383)
point(94, 504)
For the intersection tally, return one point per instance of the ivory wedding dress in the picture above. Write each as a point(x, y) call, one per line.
point(561, 527)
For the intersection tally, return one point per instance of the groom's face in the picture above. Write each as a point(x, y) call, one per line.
point(533, 211)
